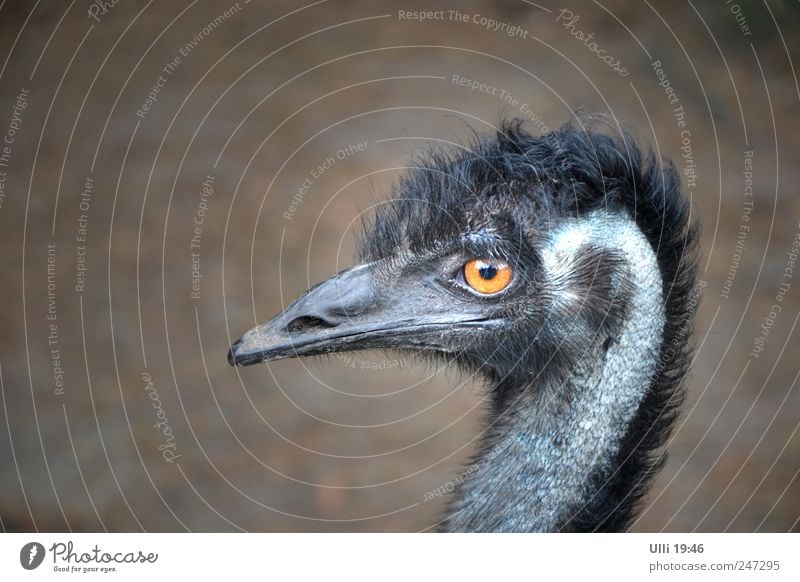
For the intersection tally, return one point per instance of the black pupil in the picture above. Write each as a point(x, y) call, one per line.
point(488, 272)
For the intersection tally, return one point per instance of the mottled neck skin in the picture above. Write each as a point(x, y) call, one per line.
point(549, 451)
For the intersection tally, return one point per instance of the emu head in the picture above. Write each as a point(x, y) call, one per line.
point(475, 259)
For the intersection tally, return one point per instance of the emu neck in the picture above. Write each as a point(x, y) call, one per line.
point(550, 450)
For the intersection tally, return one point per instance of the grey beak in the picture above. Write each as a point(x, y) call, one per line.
point(318, 322)
point(353, 311)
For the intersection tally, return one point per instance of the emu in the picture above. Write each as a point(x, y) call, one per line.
point(558, 268)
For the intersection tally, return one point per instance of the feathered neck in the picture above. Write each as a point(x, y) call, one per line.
point(559, 456)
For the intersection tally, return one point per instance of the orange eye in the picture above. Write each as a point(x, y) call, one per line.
point(487, 276)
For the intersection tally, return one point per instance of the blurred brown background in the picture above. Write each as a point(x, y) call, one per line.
point(120, 411)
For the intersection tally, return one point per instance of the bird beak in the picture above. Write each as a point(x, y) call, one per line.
point(352, 311)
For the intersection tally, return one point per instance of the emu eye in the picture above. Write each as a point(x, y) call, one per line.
point(487, 276)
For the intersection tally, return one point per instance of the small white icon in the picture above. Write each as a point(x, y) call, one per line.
point(32, 556)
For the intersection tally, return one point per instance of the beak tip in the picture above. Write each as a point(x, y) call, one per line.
point(232, 353)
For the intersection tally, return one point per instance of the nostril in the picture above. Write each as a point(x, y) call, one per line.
point(307, 322)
